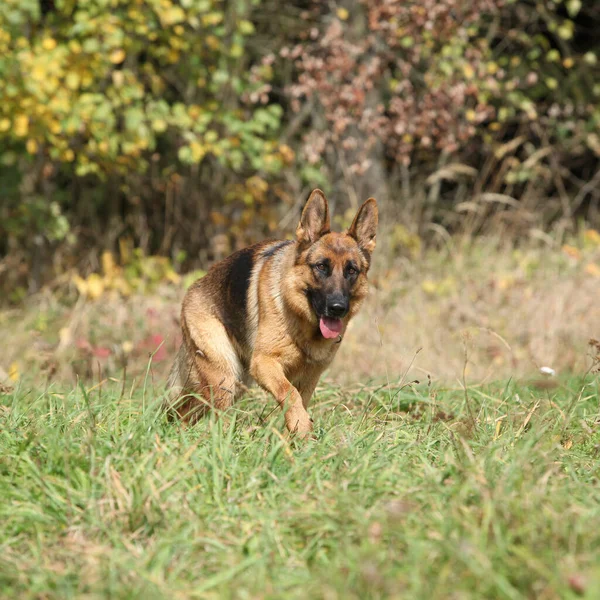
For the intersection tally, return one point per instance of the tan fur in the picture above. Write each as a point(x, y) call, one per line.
point(276, 341)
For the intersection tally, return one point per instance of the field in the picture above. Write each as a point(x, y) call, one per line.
point(510, 309)
point(414, 491)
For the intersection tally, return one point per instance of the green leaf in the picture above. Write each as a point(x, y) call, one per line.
point(573, 7)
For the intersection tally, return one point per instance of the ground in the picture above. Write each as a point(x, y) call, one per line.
point(416, 491)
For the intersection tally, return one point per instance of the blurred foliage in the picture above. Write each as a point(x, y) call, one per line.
point(435, 88)
point(101, 84)
point(135, 273)
point(109, 106)
point(192, 127)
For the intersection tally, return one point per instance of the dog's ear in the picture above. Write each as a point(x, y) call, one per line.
point(314, 221)
point(364, 227)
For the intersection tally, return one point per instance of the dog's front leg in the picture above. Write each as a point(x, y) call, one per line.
point(269, 374)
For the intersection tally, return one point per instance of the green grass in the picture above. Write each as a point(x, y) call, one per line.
point(413, 493)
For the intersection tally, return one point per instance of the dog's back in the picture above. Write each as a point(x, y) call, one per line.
point(222, 310)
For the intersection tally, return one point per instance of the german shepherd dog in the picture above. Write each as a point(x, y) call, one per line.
point(275, 312)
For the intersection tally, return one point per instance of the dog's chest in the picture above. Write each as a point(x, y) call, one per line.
point(308, 359)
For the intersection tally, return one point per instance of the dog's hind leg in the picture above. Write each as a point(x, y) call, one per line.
point(208, 370)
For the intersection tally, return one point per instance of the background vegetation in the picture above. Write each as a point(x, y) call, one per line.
point(185, 129)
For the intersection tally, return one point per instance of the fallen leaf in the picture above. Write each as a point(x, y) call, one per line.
point(577, 583)
point(571, 251)
point(101, 352)
point(591, 237)
point(592, 269)
point(13, 372)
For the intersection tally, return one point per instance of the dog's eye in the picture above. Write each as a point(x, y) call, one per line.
point(321, 267)
point(351, 271)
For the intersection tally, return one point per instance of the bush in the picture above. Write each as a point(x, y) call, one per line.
point(116, 112)
point(189, 128)
point(496, 93)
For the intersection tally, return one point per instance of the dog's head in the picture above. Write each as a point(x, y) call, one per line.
point(331, 268)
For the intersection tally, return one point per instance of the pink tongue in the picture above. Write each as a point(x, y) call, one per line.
point(330, 328)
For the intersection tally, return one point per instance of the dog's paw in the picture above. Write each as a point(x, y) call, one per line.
point(299, 423)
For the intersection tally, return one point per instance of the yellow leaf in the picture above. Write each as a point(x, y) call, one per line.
point(246, 27)
point(127, 346)
point(590, 236)
point(571, 251)
point(68, 155)
point(80, 284)
point(213, 18)
point(498, 429)
point(468, 71)
point(31, 146)
point(49, 44)
point(95, 286)
point(5, 124)
point(13, 371)
point(568, 63)
point(592, 269)
point(159, 125)
point(198, 151)
point(287, 153)
point(173, 277)
point(75, 47)
point(38, 73)
point(568, 444)
point(257, 185)
point(172, 15)
point(429, 287)
point(72, 80)
point(194, 111)
point(236, 51)
point(565, 31)
point(471, 115)
point(342, 14)
point(212, 42)
point(118, 78)
point(505, 283)
point(117, 56)
point(21, 125)
point(121, 285)
point(108, 263)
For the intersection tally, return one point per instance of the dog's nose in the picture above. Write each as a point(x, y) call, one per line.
point(338, 308)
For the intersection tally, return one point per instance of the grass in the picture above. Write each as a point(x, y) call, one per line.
point(410, 492)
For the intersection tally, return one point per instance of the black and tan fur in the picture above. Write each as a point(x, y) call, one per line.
point(257, 314)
